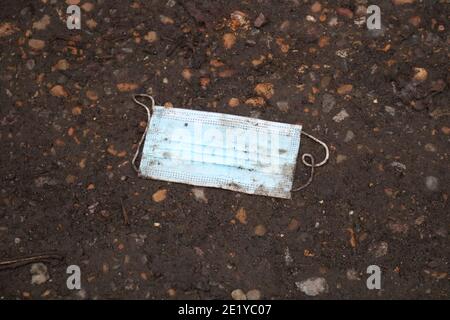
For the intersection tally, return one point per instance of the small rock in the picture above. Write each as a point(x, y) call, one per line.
point(283, 106)
point(260, 230)
point(71, 179)
point(352, 275)
point(229, 39)
point(91, 23)
point(349, 136)
point(30, 64)
point(92, 95)
point(7, 29)
point(415, 21)
point(260, 21)
point(432, 183)
point(238, 294)
point(233, 102)
point(294, 225)
point(36, 44)
point(430, 147)
point(398, 165)
point(285, 25)
point(42, 181)
point(151, 36)
point(341, 116)
point(160, 195)
point(345, 89)
point(345, 12)
point(333, 22)
point(343, 53)
point(171, 3)
point(186, 74)
point(166, 20)
point(442, 232)
point(59, 91)
point(390, 110)
point(227, 73)
point(265, 89)
point(402, 2)
point(255, 102)
point(239, 20)
point(241, 215)
point(39, 273)
point(419, 221)
point(316, 7)
point(398, 227)
point(421, 74)
point(88, 6)
point(310, 18)
point(81, 294)
point(379, 249)
point(445, 130)
point(61, 65)
point(199, 194)
point(313, 286)
point(328, 102)
point(340, 158)
point(254, 295)
point(127, 87)
point(287, 257)
point(42, 24)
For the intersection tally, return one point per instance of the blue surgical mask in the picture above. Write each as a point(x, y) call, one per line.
point(222, 151)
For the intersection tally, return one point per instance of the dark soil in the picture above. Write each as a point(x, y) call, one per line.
point(67, 185)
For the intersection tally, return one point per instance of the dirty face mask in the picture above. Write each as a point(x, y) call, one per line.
point(222, 151)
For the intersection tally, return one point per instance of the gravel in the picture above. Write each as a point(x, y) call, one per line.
point(313, 286)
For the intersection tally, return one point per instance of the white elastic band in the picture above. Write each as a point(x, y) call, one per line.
point(149, 114)
point(312, 163)
point(307, 155)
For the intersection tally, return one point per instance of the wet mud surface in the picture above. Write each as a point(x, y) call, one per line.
point(69, 129)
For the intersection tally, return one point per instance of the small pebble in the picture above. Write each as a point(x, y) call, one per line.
point(328, 102)
point(260, 230)
point(379, 249)
point(238, 294)
point(254, 295)
point(432, 183)
point(313, 286)
point(352, 275)
point(294, 225)
point(341, 116)
point(430, 147)
point(283, 106)
point(340, 158)
point(39, 273)
point(389, 110)
point(199, 194)
point(349, 136)
point(31, 64)
point(260, 21)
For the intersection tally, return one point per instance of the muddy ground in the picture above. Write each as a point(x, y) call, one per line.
point(69, 128)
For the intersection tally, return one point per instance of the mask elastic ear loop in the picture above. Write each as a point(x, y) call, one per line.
point(312, 163)
point(149, 114)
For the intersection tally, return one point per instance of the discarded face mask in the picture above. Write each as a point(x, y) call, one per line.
point(223, 151)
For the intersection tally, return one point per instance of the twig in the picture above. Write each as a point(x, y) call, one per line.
point(22, 261)
point(125, 214)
